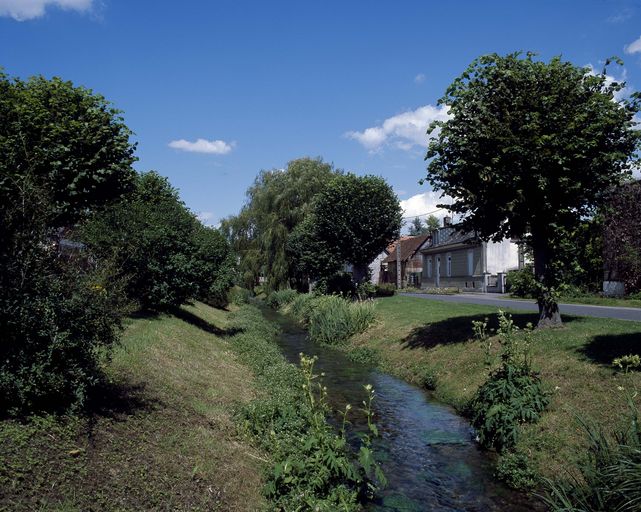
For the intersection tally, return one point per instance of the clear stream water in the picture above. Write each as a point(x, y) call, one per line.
point(426, 450)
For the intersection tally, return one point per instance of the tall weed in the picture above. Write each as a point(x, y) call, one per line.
point(281, 298)
point(311, 467)
point(334, 319)
point(610, 475)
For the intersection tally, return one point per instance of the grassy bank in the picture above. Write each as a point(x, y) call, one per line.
point(163, 438)
point(431, 343)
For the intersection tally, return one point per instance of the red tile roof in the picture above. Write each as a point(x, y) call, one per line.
point(409, 246)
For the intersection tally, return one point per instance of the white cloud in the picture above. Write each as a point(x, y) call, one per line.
point(403, 131)
point(206, 218)
point(633, 47)
point(216, 147)
point(22, 10)
point(419, 79)
point(426, 202)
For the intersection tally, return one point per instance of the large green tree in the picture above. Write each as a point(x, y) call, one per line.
point(64, 154)
point(277, 202)
point(354, 218)
point(528, 151)
point(162, 252)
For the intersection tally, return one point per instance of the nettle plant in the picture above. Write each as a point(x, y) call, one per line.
point(513, 394)
point(323, 465)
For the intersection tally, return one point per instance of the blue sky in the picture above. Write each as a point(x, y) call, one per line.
point(218, 90)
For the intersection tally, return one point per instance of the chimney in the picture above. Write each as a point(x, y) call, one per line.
point(447, 221)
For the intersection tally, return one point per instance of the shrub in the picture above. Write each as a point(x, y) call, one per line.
point(610, 475)
point(334, 319)
point(366, 290)
point(281, 298)
point(336, 284)
point(385, 290)
point(515, 471)
point(513, 394)
point(56, 328)
point(522, 283)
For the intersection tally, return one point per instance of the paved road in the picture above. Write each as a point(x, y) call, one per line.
point(499, 301)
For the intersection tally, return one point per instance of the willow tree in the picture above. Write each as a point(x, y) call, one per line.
point(528, 151)
point(277, 202)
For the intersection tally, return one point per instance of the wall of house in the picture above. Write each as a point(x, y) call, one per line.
point(375, 268)
point(502, 256)
point(460, 276)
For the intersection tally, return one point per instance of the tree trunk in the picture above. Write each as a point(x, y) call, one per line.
point(549, 314)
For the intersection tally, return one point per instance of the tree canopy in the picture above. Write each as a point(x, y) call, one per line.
point(528, 150)
point(277, 202)
point(354, 218)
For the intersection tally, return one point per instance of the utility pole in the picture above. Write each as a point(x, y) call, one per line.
point(398, 264)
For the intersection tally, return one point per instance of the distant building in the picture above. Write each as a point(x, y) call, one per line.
point(411, 261)
point(456, 259)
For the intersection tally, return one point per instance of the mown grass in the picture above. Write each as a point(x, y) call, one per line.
point(162, 436)
point(414, 337)
point(595, 300)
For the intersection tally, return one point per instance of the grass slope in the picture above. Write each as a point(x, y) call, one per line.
point(414, 337)
point(163, 438)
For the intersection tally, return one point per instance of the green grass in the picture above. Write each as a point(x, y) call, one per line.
point(414, 337)
point(163, 438)
point(594, 300)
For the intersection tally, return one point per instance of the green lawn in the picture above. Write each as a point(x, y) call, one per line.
point(163, 438)
point(413, 335)
point(595, 300)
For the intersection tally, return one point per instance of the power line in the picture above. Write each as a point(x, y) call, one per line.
point(424, 214)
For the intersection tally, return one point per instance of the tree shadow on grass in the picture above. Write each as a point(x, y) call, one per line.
point(459, 329)
point(201, 323)
point(604, 348)
point(119, 399)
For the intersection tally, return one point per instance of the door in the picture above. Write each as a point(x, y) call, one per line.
point(438, 271)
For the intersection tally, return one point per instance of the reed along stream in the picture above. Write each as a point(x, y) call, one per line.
point(426, 450)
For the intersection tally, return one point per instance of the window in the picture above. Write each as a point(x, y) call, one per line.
point(470, 262)
point(449, 265)
point(429, 266)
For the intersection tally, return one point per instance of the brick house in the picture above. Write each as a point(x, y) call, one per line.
point(411, 261)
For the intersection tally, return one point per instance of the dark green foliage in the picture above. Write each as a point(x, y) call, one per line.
point(55, 329)
point(609, 476)
point(64, 153)
point(514, 469)
point(340, 283)
point(354, 219)
point(385, 290)
point(522, 283)
point(63, 150)
point(312, 467)
point(622, 240)
point(513, 393)
point(160, 248)
point(528, 152)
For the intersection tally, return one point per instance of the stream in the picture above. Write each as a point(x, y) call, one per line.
point(426, 450)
